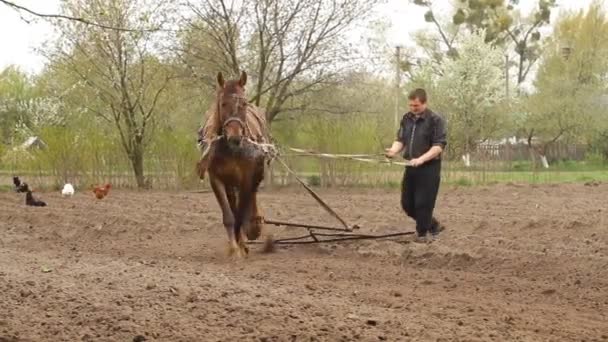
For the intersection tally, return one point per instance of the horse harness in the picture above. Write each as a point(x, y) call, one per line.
point(269, 150)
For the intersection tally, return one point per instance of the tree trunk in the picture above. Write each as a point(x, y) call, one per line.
point(545, 162)
point(542, 152)
point(137, 161)
point(466, 158)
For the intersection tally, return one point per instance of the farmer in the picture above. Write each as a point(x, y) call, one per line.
point(421, 137)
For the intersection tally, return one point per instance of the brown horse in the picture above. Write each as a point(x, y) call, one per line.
point(235, 164)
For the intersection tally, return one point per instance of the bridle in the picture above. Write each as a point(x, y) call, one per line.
point(233, 117)
point(269, 149)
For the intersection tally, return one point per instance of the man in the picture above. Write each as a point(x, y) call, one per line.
point(421, 137)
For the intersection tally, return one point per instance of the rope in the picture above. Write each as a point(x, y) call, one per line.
point(357, 157)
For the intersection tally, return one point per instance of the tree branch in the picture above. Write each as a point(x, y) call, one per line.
point(20, 8)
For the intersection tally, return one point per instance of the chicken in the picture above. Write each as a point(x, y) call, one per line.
point(68, 190)
point(31, 201)
point(19, 186)
point(102, 191)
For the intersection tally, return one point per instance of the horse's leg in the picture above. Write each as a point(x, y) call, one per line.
point(231, 195)
point(221, 194)
point(257, 217)
point(254, 219)
point(232, 199)
point(243, 213)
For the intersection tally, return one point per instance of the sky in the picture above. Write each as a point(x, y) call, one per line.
point(19, 39)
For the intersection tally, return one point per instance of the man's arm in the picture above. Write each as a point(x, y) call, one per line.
point(431, 154)
point(398, 144)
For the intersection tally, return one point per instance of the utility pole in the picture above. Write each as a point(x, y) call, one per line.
point(397, 83)
point(507, 76)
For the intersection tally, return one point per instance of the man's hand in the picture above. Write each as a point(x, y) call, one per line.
point(416, 162)
point(389, 153)
point(394, 150)
point(429, 155)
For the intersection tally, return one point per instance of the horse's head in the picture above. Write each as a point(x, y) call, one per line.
point(232, 107)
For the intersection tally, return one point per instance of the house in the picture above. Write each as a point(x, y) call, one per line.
point(32, 143)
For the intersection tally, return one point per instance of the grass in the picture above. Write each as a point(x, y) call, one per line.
point(527, 176)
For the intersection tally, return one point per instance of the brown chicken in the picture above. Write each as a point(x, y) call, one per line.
point(102, 191)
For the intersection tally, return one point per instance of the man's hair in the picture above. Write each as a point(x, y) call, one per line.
point(419, 94)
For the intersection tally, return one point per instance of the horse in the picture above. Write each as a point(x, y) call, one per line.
point(235, 162)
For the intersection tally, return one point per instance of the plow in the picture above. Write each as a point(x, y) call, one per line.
point(330, 234)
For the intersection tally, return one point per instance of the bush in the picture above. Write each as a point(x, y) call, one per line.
point(314, 180)
point(462, 181)
point(595, 158)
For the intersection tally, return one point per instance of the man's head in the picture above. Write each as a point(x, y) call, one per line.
point(417, 99)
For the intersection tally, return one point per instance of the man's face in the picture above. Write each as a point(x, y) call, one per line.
point(416, 106)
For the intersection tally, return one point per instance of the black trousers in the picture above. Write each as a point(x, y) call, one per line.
point(418, 195)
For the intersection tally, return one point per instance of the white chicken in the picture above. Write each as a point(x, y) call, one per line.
point(68, 190)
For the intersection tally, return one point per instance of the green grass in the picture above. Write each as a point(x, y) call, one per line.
point(527, 176)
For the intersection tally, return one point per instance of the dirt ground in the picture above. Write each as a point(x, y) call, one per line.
point(516, 263)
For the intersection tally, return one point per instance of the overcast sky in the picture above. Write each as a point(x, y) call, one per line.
point(19, 39)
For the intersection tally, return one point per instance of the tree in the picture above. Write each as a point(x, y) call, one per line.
point(571, 83)
point(15, 95)
point(24, 107)
point(442, 40)
point(504, 24)
point(469, 92)
point(292, 47)
point(121, 75)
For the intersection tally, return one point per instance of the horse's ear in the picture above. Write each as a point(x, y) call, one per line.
point(220, 79)
point(243, 79)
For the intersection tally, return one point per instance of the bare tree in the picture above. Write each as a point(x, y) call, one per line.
point(290, 47)
point(119, 70)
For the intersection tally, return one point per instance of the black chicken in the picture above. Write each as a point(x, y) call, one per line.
point(20, 187)
point(31, 201)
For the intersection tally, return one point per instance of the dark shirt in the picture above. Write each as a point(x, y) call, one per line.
point(419, 134)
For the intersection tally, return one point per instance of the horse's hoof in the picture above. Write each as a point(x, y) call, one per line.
point(254, 233)
point(254, 230)
point(244, 249)
point(234, 251)
point(236, 254)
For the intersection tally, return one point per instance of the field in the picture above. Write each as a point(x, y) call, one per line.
point(516, 263)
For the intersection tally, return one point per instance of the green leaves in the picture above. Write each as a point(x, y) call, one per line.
point(459, 17)
point(502, 24)
point(535, 36)
point(570, 79)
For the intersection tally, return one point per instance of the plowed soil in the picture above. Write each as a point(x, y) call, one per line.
point(516, 263)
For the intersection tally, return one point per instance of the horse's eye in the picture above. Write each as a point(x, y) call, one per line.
point(224, 104)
